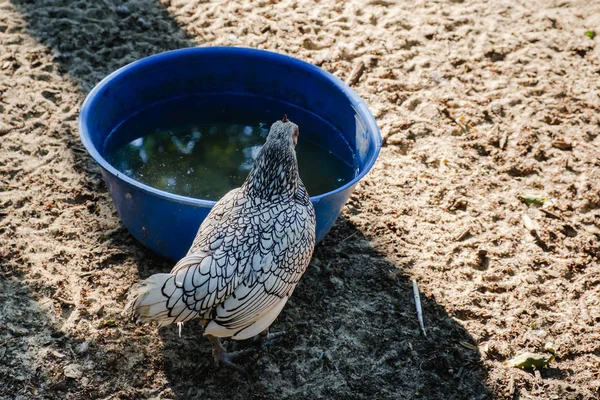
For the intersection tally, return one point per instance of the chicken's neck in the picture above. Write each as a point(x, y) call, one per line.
point(274, 173)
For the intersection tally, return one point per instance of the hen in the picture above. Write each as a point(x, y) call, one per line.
point(247, 257)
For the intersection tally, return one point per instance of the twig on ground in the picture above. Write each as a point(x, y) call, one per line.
point(582, 277)
point(446, 113)
point(585, 315)
point(90, 273)
point(550, 213)
point(511, 385)
point(534, 231)
point(65, 301)
point(349, 236)
point(503, 140)
point(418, 305)
point(357, 71)
point(463, 235)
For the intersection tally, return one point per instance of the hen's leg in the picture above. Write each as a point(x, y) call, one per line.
point(222, 357)
point(265, 338)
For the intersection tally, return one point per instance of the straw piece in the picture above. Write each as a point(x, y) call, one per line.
point(418, 305)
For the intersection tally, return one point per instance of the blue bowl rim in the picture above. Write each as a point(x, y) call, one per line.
point(357, 103)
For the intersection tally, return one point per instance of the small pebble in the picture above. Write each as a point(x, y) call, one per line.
point(550, 348)
point(73, 371)
point(4, 128)
point(144, 23)
point(498, 109)
point(17, 330)
point(57, 354)
point(336, 282)
point(438, 77)
point(122, 10)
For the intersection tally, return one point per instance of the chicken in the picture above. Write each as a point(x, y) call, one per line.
point(247, 257)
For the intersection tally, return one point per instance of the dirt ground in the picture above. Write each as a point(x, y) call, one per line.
point(478, 102)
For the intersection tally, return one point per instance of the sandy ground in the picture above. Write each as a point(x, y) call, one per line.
point(478, 102)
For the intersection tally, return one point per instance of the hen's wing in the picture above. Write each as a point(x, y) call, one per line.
point(284, 251)
point(247, 258)
point(216, 262)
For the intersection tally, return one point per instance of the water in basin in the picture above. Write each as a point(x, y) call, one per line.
point(204, 160)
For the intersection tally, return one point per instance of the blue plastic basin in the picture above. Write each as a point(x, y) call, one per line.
point(167, 223)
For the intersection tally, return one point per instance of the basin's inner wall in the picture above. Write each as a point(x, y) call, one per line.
point(320, 106)
point(214, 108)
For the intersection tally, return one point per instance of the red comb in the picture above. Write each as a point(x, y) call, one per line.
point(285, 118)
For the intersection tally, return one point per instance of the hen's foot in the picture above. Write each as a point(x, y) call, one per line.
point(266, 338)
point(225, 358)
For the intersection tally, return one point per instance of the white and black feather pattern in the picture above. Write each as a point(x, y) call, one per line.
point(250, 251)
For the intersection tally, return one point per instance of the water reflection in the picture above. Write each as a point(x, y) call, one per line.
point(206, 161)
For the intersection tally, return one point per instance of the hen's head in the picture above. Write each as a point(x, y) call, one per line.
point(284, 131)
point(275, 170)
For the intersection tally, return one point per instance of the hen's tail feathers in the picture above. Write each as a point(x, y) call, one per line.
point(157, 299)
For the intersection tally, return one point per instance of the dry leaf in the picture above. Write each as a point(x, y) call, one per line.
point(530, 360)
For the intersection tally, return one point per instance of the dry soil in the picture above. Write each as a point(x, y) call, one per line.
point(479, 103)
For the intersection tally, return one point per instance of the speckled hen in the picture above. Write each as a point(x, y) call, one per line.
point(248, 255)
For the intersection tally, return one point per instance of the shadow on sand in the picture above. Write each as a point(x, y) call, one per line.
point(352, 329)
point(352, 334)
